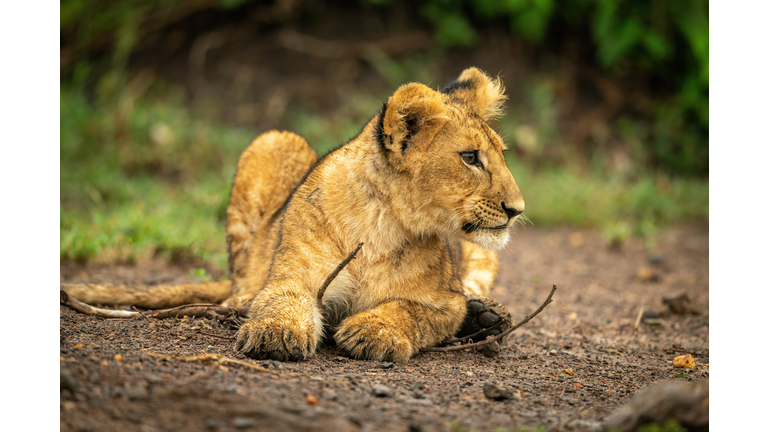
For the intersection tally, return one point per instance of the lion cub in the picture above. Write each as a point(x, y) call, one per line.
point(424, 186)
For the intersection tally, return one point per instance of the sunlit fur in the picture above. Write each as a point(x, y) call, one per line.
point(429, 222)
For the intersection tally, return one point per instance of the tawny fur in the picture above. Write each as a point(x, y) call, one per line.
point(150, 296)
point(430, 223)
point(402, 188)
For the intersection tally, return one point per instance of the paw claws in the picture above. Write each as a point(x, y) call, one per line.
point(362, 341)
point(266, 341)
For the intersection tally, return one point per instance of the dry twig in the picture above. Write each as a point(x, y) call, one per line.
point(197, 310)
point(472, 336)
point(79, 306)
point(321, 292)
point(500, 335)
point(140, 312)
point(639, 317)
point(218, 358)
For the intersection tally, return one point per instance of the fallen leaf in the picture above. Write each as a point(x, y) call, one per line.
point(79, 346)
point(686, 361)
point(608, 391)
point(576, 239)
point(568, 371)
point(118, 357)
point(578, 385)
point(647, 274)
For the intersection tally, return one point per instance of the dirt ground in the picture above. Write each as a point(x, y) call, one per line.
point(567, 369)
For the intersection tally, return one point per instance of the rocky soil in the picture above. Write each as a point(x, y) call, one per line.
point(608, 334)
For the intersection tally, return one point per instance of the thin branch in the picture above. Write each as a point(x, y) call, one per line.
point(200, 310)
point(217, 358)
point(472, 336)
point(639, 317)
point(142, 314)
point(222, 360)
point(79, 306)
point(352, 255)
point(196, 310)
point(500, 335)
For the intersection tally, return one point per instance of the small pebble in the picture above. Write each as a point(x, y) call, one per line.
point(496, 393)
point(68, 381)
point(213, 423)
point(380, 390)
point(243, 422)
point(423, 402)
point(650, 314)
point(386, 365)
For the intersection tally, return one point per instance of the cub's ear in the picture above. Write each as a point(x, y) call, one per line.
point(413, 109)
point(479, 92)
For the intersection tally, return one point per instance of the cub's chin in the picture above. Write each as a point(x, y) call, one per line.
point(488, 238)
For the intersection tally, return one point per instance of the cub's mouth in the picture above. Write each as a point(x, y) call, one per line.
point(469, 228)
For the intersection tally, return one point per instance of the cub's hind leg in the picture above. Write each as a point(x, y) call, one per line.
point(478, 269)
point(267, 173)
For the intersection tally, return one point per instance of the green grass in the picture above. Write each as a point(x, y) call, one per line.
point(617, 207)
point(143, 174)
point(140, 177)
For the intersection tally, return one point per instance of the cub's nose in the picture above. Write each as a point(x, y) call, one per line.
point(510, 211)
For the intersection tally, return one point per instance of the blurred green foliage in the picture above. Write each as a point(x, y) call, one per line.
point(139, 176)
point(143, 171)
point(668, 426)
point(667, 40)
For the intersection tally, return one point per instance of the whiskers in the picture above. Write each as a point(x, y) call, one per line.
point(462, 213)
point(521, 220)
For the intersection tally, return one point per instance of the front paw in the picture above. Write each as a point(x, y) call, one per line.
point(483, 313)
point(267, 338)
point(366, 336)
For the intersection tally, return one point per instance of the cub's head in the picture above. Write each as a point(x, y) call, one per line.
point(448, 173)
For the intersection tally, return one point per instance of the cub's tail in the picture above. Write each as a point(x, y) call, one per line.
point(149, 296)
point(267, 172)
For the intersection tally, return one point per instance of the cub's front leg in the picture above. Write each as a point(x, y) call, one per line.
point(285, 323)
point(396, 329)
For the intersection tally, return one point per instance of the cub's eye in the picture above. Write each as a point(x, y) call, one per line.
point(470, 158)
